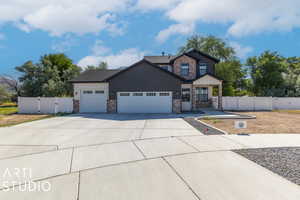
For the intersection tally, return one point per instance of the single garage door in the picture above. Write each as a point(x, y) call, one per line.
point(144, 102)
point(93, 101)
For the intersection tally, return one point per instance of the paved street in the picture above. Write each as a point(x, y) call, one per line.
point(116, 157)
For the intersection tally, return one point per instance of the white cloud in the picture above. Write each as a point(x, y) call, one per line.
point(99, 48)
point(241, 51)
point(100, 53)
point(183, 29)
point(155, 4)
point(243, 17)
point(64, 45)
point(63, 16)
point(93, 16)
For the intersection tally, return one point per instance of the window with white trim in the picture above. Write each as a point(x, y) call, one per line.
point(166, 67)
point(203, 67)
point(184, 69)
point(202, 94)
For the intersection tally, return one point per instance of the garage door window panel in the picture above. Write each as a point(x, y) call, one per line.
point(124, 94)
point(152, 94)
point(87, 92)
point(138, 94)
point(99, 92)
point(164, 94)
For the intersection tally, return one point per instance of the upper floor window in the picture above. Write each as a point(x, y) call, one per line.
point(203, 68)
point(184, 69)
point(166, 67)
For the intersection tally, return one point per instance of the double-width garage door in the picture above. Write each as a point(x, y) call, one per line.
point(93, 101)
point(144, 102)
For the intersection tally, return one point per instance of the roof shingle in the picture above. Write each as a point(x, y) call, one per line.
point(95, 75)
point(159, 59)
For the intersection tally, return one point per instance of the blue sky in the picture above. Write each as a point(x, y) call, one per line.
point(121, 32)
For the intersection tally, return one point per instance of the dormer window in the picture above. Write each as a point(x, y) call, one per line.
point(203, 68)
point(184, 69)
point(166, 67)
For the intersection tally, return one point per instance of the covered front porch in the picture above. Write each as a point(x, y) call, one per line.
point(199, 94)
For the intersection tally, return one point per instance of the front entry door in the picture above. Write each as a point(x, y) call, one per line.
point(186, 99)
point(202, 97)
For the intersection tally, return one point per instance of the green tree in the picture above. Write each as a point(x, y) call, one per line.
point(4, 94)
point(267, 74)
point(229, 69)
point(102, 65)
point(211, 45)
point(234, 76)
point(49, 77)
point(292, 76)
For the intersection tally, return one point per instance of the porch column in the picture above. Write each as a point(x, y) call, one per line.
point(220, 107)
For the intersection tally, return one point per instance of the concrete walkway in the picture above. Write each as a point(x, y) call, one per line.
point(136, 157)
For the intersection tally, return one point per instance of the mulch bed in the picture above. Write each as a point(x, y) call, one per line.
point(283, 161)
point(206, 130)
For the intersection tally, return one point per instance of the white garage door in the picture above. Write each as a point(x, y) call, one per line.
point(144, 102)
point(93, 101)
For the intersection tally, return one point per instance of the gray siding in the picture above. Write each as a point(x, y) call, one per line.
point(144, 77)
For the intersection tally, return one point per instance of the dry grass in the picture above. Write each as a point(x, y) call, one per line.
point(265, 122)
point(9, 116)
point(14, 119)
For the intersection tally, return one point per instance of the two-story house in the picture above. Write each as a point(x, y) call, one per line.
point(156, 84)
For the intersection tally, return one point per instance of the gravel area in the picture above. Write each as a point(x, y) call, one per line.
point(206, 130)
point(283, 161)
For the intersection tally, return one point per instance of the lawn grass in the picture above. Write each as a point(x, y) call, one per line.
point(288, 111)
point(8, 110)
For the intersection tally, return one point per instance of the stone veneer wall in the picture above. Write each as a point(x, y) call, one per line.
point(185, 59)
point(112, 106)
point(176, 105)
point(76, 106)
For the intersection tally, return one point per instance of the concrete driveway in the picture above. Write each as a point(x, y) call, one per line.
point(133, 157)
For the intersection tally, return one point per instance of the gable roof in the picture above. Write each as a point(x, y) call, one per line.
point(151, 64)
point(195, 54)
point(159, 59)
point(208, 74)
point(94, 76)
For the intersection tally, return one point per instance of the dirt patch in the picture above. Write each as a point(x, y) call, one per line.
point(265, 122)
point(9, 120)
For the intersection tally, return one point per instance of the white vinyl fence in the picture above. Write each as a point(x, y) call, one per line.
point(259, 103)
point(45, 105)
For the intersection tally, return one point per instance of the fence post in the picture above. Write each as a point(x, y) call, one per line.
point(254, 103)
point(39, 104)
point(55, 106)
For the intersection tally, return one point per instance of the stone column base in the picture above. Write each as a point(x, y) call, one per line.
point(112, 106)
point(76, 106)
point(176, 105)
